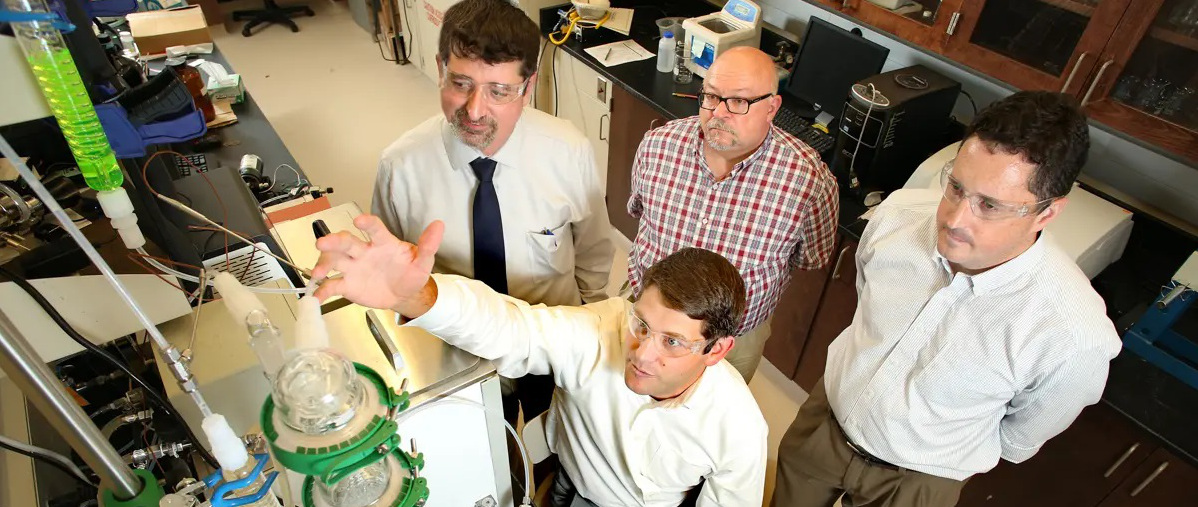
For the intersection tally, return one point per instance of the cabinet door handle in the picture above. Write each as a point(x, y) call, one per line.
point(601, 118)
point(844, 4)
point(1118, 462)
point(653, 124)
point(839, 260)
point(952, 23)
point(1094, 83)
point(1150, 478)
point(1069, 80)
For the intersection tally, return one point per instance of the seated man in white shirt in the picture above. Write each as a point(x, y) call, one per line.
point(975, 337)
point(646, 408)
point(518, 189)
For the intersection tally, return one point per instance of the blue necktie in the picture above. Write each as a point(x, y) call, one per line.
point(489, 265)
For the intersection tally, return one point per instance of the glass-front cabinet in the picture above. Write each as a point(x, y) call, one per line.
point(1146, 82)
point(1034, 44)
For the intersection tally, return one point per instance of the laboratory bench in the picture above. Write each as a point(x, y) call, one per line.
point(1146, 419)
point(252, 134)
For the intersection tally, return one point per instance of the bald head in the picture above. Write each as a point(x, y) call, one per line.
point(744, 69)
point(747, 76)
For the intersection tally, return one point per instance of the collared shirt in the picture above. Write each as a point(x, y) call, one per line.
point(556, 233)
point(619, 447)
point(776, 211)
point(944, 373)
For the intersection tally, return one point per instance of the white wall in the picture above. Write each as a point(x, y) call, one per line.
point(1138, 172)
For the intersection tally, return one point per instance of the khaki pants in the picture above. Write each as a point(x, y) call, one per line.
point(746, 354)
point(816, 466)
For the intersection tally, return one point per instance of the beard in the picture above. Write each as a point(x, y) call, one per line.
point(474, 138)
point(716, 124)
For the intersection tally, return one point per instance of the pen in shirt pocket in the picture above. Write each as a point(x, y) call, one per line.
point(547, 232)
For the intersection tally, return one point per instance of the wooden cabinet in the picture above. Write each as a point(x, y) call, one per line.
point(815, 308)
point(924, 24)
point(1147, 78)
point(792, 319)
point(633, 118)
point(1162, 479)
point(833, 315)
point(1133, 64)
point(1102, 460)
point(1079, 467)
point(570, 90)
point(1035, 44)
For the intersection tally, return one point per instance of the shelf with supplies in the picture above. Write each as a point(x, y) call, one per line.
point(1080, 7)
point(1174, 37)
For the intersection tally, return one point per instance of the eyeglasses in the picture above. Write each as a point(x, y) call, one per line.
point(736, 105)
point(495, 93)
point(671, 345)
point(986, 208)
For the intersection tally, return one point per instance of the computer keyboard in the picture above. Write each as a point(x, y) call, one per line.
point(801, 128)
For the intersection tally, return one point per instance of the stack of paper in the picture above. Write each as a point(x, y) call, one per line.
point(619, 52)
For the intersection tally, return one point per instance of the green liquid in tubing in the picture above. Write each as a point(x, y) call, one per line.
point(64, 91)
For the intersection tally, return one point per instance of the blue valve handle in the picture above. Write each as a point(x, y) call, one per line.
point(218, 496)
point(64, 26)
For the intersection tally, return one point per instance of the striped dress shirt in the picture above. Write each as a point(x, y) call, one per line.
point(776, 211)
point(945, 373)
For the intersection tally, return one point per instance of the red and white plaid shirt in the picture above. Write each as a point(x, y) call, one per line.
point(776, 210)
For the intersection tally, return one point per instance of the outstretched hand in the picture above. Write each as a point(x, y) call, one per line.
point(383, 272)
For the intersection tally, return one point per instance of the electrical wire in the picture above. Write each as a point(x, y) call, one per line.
point(274, 177)
point(540, 63)
point(553, 59)
point(48, 457)
point(971, 102)
point(574, 20)
point(224, 209)
point(379, 42)
point(184, 208)
point(873, 95)
point(407, 56)
point(195, 319)
point(70, 331)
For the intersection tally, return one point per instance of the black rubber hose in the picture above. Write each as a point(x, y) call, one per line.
point(155, 398)
point(47, 460)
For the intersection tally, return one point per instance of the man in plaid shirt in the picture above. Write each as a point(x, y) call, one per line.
point(728, 181)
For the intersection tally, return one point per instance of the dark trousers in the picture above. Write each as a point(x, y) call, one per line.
point(564, 494)
point(533, 392)
point(816, 466)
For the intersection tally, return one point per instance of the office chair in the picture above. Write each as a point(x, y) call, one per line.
point(271, 13)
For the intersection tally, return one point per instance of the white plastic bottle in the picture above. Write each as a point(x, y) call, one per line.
point(665, 53)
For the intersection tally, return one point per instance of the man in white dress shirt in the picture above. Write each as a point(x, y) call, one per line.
point(646, 407)
point(518, 188)
point(975, 337)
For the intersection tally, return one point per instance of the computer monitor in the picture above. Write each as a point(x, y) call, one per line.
point(830, 60)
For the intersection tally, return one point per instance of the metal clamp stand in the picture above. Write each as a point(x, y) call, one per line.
point(120, 485)
point(1152, 336)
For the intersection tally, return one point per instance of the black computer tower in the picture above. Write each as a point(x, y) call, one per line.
point(906, 124)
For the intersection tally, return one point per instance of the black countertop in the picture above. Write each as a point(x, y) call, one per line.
point(1158, 402)
point(252, 134)
point(642, 80)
